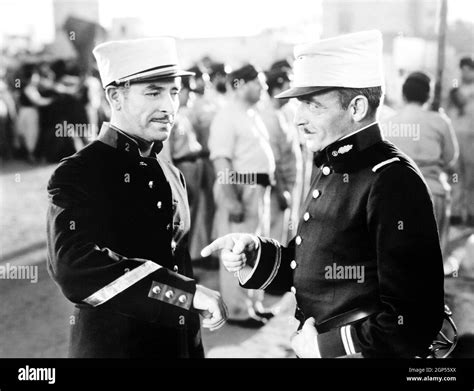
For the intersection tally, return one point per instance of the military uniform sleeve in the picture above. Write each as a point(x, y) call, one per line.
point(410, 274)
point(93, 275)
point(271, 270)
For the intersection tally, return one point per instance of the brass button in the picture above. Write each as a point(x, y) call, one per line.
point(159, 204)
point(143, 164)
point(173, 245)
point(316, 193)
point(306, 216)
point(293, 290)
point(169, 294)
point(150, 184)
point(334, 153)
point(156, 290)
point(298, 240)
point(175, 268)
point(182, 299)
point(326, 170)
point(293, 264)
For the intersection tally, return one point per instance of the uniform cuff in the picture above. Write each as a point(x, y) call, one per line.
point(339, 342)
point(266, 266)
point(173, 288)
point(246, 273)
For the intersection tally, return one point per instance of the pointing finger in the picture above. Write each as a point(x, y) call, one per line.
point(218, 244)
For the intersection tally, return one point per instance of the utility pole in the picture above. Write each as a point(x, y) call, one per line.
point(442, 27)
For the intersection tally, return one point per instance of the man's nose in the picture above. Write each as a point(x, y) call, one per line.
point(299, 119)
point(167, 104)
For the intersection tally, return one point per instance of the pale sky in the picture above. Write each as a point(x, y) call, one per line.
point(206, 18)
point(183, 18)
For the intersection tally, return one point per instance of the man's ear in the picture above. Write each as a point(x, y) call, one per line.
point(359, 108)
point(113, 96)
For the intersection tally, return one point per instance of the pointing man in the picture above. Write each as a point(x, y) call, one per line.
point(368, 211)
point(118, 219)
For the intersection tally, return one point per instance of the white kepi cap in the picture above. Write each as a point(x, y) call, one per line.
point(351, 60)
point(138, 60)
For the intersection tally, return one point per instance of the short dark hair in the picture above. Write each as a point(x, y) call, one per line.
point(373, 95)
point(467, 61)
point(416, 87)
point(242, 75)
point(276, 79)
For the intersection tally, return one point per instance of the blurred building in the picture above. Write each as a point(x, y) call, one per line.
point(262, 49)
point(235, 51)
point(126, 28)
point(83, 9)
point(409, 30)
point(392, 17)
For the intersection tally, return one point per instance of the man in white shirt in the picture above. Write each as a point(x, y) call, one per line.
point(243, 159)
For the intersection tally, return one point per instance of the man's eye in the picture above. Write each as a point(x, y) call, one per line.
point(313, 106)
point(175, 93)
point(153, 94)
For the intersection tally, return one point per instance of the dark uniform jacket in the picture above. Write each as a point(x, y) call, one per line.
point(366, 262)
point(117, 242)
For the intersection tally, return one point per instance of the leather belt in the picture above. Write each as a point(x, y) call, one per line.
point(254, 178)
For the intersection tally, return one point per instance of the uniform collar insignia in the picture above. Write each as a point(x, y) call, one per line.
point(344, 149)
point(336, 154)
point(118, 139)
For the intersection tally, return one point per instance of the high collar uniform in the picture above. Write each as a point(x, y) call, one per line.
point(117, 242)
point(366, 261)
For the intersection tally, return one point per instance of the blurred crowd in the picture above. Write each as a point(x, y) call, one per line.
point(48, 110)
point(230, 121)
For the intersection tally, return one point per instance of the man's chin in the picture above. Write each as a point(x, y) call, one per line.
point(313, 146)
point(159, 132)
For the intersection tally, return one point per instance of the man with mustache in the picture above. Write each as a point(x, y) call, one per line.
point(368, 210)
point(118, 220)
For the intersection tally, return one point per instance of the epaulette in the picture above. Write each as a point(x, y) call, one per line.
point(384, 163)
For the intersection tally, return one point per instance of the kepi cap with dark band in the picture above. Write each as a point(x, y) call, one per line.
point(351, 61)
point(138, 60)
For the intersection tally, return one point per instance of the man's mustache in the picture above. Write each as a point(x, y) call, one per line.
point(165, 118)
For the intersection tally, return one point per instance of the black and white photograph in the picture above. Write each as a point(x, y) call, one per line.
point(237, 183)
